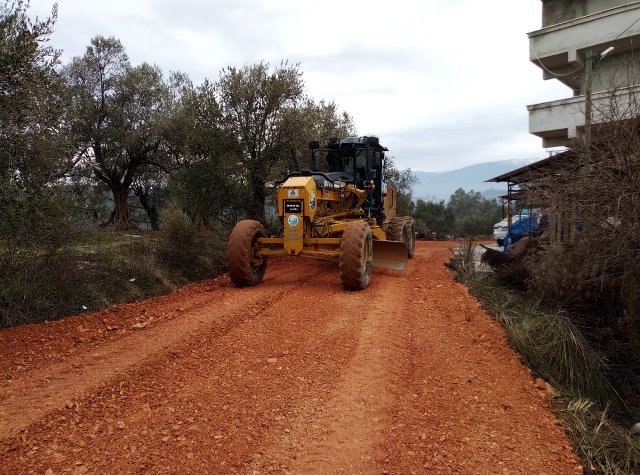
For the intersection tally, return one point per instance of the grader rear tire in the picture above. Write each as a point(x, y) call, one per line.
point(245, 267)
point(395, 229)
point(403, 228)
point(410, 226)
point(356, 256)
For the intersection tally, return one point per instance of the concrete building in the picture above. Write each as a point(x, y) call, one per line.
point(572, 32)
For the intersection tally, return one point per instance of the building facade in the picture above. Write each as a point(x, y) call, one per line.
point(573, 33)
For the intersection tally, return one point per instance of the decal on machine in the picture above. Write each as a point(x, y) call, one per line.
point(293, 206)
point(312, 200)
point(293, 220)
point(292, 194)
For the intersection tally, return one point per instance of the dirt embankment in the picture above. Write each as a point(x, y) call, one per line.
point(291, 376)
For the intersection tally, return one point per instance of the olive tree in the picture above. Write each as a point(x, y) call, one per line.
point(34, 150)
point(403, 181)
point(255, 102)
point(117, 116)
point(315, 121)
point(208, 185)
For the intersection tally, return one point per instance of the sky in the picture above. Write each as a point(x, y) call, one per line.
point(443, 83)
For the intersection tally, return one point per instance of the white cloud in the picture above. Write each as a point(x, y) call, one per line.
point(444, 83)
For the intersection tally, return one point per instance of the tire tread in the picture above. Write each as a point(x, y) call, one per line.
point(353, 275)
point(241, 272)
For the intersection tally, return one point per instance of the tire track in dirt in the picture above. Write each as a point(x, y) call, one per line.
point(467, 404)
point(41, 390)
point(347, 432)
point(296, 376)
point(208, 407)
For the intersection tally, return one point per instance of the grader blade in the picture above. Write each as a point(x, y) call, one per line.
point(389, 254)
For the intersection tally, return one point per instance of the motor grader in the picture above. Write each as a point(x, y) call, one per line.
point(341, 209)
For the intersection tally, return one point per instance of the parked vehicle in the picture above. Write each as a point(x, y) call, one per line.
point(525, 225)
point(500, 229)
point(522, 224)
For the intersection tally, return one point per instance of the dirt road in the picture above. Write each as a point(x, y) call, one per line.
point(291, 376)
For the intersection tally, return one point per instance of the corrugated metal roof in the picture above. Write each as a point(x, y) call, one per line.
point(524, 174)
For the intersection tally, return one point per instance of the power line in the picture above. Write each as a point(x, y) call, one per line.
point(626, 29)
point(551, 72)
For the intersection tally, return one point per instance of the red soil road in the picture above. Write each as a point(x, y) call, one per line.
point(292, 376)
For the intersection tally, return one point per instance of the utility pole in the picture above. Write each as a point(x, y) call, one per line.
point(588, 83)
point(589, 65)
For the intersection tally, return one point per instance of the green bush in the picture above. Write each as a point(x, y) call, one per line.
point(95, 275)
point(473, 214)
point(101, 268)
point(188, 251)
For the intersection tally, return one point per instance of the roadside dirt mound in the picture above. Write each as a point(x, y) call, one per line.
point(294, 375)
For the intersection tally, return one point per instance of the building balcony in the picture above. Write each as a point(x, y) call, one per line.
point(559, 122)
point(561, 48)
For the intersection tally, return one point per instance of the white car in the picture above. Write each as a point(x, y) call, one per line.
point(500, 229)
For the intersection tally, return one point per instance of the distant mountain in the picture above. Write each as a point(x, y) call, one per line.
point(441, 185)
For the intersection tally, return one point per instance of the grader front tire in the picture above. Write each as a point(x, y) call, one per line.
point(356, 256)
point(245, 267)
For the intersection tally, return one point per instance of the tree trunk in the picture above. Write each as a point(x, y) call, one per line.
point(154, 219)
point(151, 210)
point(120, 216)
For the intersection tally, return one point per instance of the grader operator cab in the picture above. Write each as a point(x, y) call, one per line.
point(342, 209)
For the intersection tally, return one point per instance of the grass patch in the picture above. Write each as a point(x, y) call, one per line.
point(554, 348)
point(603, 445)
point(100, 269)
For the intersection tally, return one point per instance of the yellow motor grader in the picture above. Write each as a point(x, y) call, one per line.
point(342, 209)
